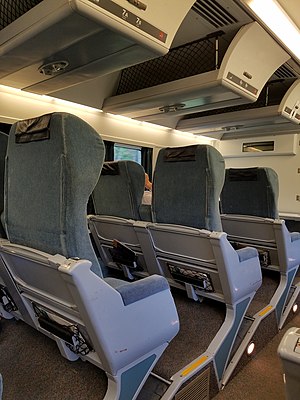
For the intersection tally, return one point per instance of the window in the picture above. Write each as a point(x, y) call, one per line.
point(258, 147)
point(127, 152)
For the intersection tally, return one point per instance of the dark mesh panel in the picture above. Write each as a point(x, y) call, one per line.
point(181, 62)
point(13, 9)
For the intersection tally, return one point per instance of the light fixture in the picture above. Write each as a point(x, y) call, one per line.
point(53, 68)
point(295, 308)
point(250, 348)
point(172, 108)
point(277, 21)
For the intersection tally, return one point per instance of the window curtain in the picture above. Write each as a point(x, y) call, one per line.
point(5, 128)
point(109, 150)
point(147, 155)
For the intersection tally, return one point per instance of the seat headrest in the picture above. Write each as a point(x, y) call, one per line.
point(3, 147)
point(186, 186)
point(53, 165)
point(250, 191)
point(120, 189)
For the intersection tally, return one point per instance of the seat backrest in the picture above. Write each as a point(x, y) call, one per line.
point(250, 191)
point(53, 164)
point(119, 190)
point(186, 187)
point(3, 147)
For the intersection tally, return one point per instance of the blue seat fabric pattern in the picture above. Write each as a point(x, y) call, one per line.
point(186, 187)
point(250, 191)
point(140, 289)
point(48, 184)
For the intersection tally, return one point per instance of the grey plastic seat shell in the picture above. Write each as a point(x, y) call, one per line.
point(49, 168)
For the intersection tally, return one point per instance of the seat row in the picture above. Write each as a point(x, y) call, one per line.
point(188, 183)
point(51, 278)
point(186, 242)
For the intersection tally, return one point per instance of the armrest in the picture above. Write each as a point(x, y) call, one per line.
point(138, 290)
point(295, 236)
point(246, 253)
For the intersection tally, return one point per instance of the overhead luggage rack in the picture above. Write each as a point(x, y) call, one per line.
point(273, 119)
point(58, 43)
point(240, 78)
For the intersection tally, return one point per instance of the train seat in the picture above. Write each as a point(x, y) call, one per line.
point(187, 234)
point(119, 190)
point(186, 187)
point(193, 252)
point(3, 147)
point(249, 207)
point(5, 300)
point(53, 164)
point(117, 230)
point(243, 185)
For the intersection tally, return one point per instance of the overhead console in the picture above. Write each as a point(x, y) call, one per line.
point(58, 43)
point(274, 119)
point(249, 61)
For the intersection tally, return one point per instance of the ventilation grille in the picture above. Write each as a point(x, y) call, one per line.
point(214, 13)
point(198, 389)
point(284, 72)
point(10, 10)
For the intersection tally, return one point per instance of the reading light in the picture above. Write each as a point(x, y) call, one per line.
point(295, 308)
point(273, 16)
point(250, 348)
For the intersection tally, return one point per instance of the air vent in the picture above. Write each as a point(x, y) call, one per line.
point(12, 9)
point(214, 13)
point(197, 389)
point(284, 72)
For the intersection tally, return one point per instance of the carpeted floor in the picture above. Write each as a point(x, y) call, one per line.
point(261, 379)
point(33, 368)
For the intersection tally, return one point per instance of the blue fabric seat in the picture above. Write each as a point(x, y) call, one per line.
point(117, 200)
point(3, 147)
point(186, 187)
point(249, 206)
point(119, 190)
point(53, 164)
point(191, 249)
point(250, 191)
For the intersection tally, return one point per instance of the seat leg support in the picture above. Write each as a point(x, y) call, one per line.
point(129, 381)
point(224, 340)
point(283, 307)
point(289, 304)
point(218, 351)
